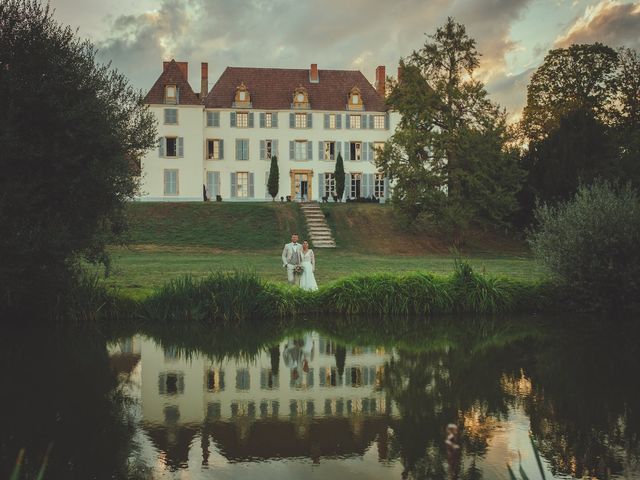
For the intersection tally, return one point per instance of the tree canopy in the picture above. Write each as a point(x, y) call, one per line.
point(73, 133)
point(449, 157)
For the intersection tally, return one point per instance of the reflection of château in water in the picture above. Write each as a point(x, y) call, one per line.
point(306, 397)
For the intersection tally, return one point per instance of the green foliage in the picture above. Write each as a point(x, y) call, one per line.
point(591, 244)
point(448, 158)
point(273, 183)
point(73, 133)
point(339, 176)
point(576, 77)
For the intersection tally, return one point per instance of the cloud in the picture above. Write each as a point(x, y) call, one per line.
point(609, 22)
point(510, 91)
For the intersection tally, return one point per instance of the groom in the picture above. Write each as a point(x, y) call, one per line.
point(291, 258)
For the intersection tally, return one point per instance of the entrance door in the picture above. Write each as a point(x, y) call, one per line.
point(301, 186)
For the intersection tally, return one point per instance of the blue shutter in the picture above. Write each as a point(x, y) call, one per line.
point(386, 121)
point(364, 185)
point(338, 150)
point(372, 179)
point(274, 148)
point(364, 151)
point(309, 120)
point(274, 120)
point(262, 115)
point(387, 193)
point(347, 151)
point(216, 182)
point(326, 120)
point(320, 186)
point(251, 186)
point(221, 149)
point(291, 150)
point(238, 149)
point(263, 150)
point(347, 121)
point(209, 119)
point(233, 184)
point(250, 119)
point(233, 119)
point(180, 147)
point(210, 187)
point(347, 185)
point(161, 142)
point(372, 121)
point(216, 120)
point(339, 120)
point(309, 150)
point(320, 151)
point(363, 121)
point(371, 152)
point(292, 120)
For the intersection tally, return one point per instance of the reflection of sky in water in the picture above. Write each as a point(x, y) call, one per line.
point(325, 413)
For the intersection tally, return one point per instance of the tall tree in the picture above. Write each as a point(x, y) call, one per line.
point(73, 133)
point(578, 77)
point(447, 120)
point(273, 184)
point(339, 177)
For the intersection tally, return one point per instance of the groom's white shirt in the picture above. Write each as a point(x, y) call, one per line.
point(291, 254)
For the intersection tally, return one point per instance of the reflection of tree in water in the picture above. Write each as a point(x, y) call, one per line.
point(439, 387)
point(584, 410)
point(64, 392)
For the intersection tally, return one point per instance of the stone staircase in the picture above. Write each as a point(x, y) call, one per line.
point(319, 231)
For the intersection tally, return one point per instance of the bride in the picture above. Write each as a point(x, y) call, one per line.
point(308, 263)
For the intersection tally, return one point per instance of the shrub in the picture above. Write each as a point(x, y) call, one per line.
point(591, 244)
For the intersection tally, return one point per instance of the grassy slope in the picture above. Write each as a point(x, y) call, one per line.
point(172, 239)
point(211, 224)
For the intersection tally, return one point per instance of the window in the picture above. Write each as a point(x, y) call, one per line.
point(214, 149)
point(332, 120)
point(267, 120)
point(329, 151)
point(267, 149)
point(170, 95)
point(355, 151)
point(171, 116)
point(171, 182)
point(377, 149)
point(242, 149)
point(356, 181)
point(301, 120)
point(243, 379)
point(172, 143)
point(329, 184)
point(213, 119)
point(215, 380)
point(378, 122)
point(378, 185)
point(354, 121)
point(171, 383)
point(301, 150)
point(242, 119)
point(242, 184)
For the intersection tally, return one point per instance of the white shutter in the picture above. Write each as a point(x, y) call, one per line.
point(291, 150)
point(309, 150)
point(326, 120)
point(232, 119)
point(216, 120)
point(161, 142)
point(263, 150)
point(221, 143)
point(250, 119)
point(251, 186)
point(233, 184)
point(274, 148)
point(309, 120)
point(338, 120)
point(320, 150)
point(347, 151)
point(209, 119)
point(262, 121)
point(274, 120)
point(180, 147)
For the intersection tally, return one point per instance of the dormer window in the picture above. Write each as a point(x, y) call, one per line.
point(170, 94)
point(355, 100)
point(300, 98)
point(243, 97)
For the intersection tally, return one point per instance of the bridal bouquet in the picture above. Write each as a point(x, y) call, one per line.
point(298, 269)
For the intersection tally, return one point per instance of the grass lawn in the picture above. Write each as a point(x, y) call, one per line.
point(167, 240)
point(139, 270)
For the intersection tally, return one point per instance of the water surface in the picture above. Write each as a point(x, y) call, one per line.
point(552, 398)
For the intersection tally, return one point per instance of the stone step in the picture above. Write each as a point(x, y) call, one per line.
point(317, 225)
point(319, 231)
point(320, 234)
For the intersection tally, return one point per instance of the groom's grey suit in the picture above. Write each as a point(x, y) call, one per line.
point(291, 258)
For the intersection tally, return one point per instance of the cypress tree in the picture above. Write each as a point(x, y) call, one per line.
point(339, 176)
point(274, 178)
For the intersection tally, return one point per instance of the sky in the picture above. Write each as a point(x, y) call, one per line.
point(512, 36)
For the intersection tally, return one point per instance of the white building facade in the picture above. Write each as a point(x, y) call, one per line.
point(219, 145)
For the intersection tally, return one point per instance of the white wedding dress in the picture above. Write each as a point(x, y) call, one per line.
point(308, 279)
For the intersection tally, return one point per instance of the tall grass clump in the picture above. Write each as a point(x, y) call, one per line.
point(475, 293)
point(229, 298)
point(386, 294)
point(591, 245)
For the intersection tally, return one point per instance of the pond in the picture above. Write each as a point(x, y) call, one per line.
point(532, 398)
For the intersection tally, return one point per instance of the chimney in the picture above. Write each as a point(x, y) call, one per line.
point(313, 73)
point(204, 79)
point(380, 79)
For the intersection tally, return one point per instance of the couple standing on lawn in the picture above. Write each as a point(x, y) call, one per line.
point(300, 264)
